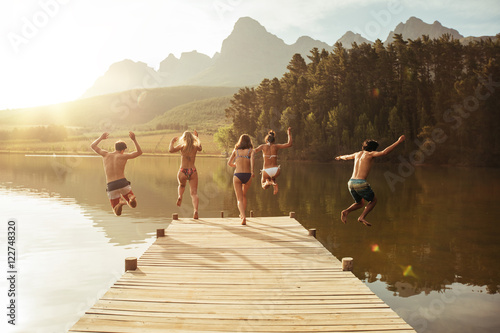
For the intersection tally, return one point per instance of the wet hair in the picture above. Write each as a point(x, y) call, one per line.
point(120, 145)
point(189, 141)
point(270, 136)
point(370, 145)
point(244, 142)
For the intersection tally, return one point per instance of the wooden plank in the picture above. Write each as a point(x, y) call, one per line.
point(216, 275)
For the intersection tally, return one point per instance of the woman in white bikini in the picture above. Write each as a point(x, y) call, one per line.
point(189, 145)
point(271, 169)
point(242, 159)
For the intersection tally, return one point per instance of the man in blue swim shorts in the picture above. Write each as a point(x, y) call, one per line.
point(358, 186)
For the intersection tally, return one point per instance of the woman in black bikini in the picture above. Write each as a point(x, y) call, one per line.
point(242, 159)
point(189, 145)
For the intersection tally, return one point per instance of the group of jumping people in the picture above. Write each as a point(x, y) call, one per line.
point(242, 159)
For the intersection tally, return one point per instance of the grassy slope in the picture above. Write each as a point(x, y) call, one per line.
point(124, 109)
point(191, 107)
point(206, 115)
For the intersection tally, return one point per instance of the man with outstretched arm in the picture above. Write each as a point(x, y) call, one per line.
point(358, 186)
point(118, 187)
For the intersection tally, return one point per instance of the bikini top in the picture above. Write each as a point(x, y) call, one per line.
point(270, 156)
point(245, 156)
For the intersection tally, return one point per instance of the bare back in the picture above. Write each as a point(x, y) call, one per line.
point(270, 155)
point(363, 161)
point(114, 165)
point(188, 157)
point(243, 160)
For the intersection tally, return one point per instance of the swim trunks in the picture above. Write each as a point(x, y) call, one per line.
point(360, 189)
point(117, 188)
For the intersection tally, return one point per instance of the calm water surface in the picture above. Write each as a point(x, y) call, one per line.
point(432, 253)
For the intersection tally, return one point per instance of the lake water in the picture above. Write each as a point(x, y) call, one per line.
point(431, 254)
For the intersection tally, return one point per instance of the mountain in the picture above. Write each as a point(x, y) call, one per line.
point(415, 28)
point(121, 76)
point(350, 37)
point(248, 55)
point(175, 71)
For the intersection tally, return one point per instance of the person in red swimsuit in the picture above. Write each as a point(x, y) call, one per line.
point(189, 144)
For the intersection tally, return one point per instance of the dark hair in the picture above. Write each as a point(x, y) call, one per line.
point(270, 136)
point(370, 145)
point(244, 142)
point(120, 145)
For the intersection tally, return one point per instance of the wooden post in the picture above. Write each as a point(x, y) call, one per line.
point(347, 263)
point(130, 264)
point(160, 233)
point(292, 215)
point(312, 232)
point(222, 214)
point(175, 216)
point(251, 213)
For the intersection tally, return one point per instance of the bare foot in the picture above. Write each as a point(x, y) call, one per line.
point(275, 188)
point(244, 221)
point(132, 202)
point(365, 222)
point(179, 201)
point(195, 215)
point(118, 208)
point(343, 216)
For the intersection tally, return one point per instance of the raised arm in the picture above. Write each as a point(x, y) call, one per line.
point(346, 157)
point(138, 150)
point(230, 162)
point(252, 159)
point(290, 140)
point(259, 148)
point(390, 148)
point(94, 144)
point(171, 148)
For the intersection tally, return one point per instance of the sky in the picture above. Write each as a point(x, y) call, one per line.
point(52, 51)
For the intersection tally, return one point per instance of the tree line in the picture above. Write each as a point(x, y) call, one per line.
point(443, 95)
point(51, 133)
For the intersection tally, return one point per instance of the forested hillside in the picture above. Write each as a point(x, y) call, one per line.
point(444, 96)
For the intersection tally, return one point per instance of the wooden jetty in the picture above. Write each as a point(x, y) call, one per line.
point(215, 275)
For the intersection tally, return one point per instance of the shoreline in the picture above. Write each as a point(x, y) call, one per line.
point(211, 155)
point(90, 154)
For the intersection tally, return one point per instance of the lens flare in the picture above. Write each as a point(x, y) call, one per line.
point(375, 248)
point(375, 92)
point(408, 271)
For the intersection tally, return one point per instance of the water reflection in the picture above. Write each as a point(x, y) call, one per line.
point(435, 231)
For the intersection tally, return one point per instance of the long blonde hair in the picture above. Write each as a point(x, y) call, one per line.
point(189, 141)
